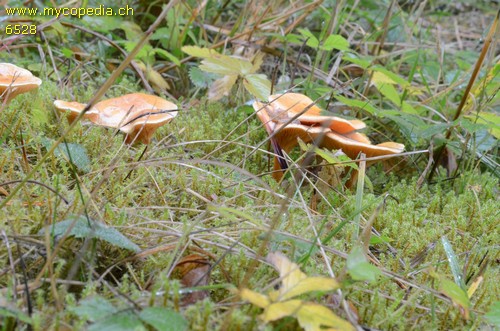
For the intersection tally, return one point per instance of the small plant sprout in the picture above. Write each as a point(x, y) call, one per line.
point(138, 115)
point(15, 80)
point(292, 116)
point(284, 303)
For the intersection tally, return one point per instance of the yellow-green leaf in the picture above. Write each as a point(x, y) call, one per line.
point(492, 120)
point(258, 85)
point(294, 281)
point(310, 284)
point(279, 310)
point(290, 273)
point(257, 61)
point(255, 298)
point(198, 51)
point(314, 317)
point(380, 78)
point(456, 294)
point(226, 65)
point(221, 87)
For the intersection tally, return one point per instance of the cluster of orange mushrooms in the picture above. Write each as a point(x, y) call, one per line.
point(292, 116)
point(286, 118)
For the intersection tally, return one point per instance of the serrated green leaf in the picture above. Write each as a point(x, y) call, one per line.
point(63, 151)
point(123, 321)
point(226, 65)
point(201, 78)
point(198, 51)
point(335, 41)
point(83, 228)
point(163, 319)
point(258, 85)
point(93, 308)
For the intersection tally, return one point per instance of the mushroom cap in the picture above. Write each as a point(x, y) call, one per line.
point(351, 143)
point(295, 103)
point(73, 108)
point(15, 80)
point(136, 114)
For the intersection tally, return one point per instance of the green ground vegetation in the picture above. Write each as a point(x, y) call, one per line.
point(94, 238)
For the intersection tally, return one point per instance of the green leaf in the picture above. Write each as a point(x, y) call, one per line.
point(201, 78)
point(491, 120)
point(364, 105)
point(453, 261)
point(163, 319)
point(258, 85)
point(363, 62)
point(93, 308)
point(493, 315)
point(199, 51)
point(379, 240)
point(123, 321)
point(19, 315)
point(68, 53)
point(455, 293)
point(394, 77)
point(160, 34)
point(332, 158)
point(63, 151)
point(166, 55)
point(359, 268)
point(312, 41)
point(335, 41)
point(390, 92)
point(83, 228)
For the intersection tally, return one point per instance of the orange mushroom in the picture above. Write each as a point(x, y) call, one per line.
point(324, 131)
point(138, 115)
point(15, 80)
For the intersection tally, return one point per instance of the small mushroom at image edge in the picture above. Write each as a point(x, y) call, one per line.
point(15, 80)
point(138, 115)
point(326, 131)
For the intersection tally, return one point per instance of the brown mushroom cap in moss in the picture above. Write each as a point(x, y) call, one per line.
point(138, 115)
point(15, 80)
point(285, 136)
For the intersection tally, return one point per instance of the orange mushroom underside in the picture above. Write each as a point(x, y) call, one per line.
point(329, 132)
point(138, 115)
